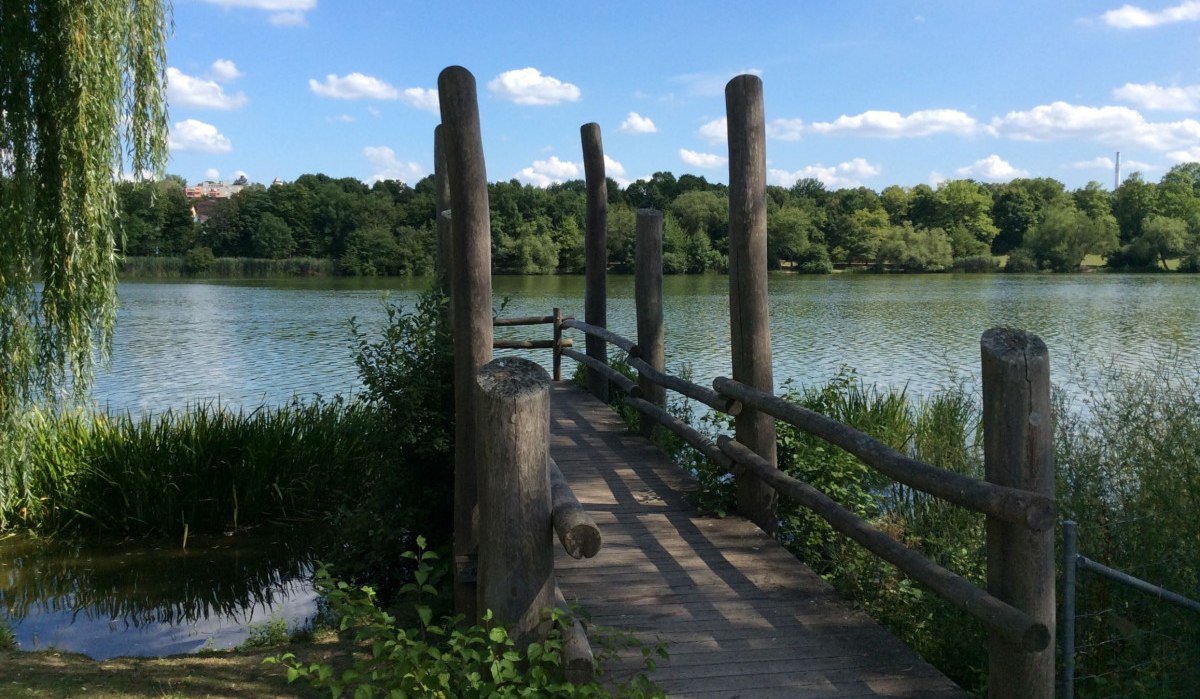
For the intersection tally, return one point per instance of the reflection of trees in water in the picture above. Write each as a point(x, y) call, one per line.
point(143, 582)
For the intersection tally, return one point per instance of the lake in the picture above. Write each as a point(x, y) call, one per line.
point(246, 343)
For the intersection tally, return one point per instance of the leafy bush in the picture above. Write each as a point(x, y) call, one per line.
point(1021, 261)
point(976, 264)
point(198, 260)
point(443, 659)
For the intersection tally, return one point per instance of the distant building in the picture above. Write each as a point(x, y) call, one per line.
point(209, 189)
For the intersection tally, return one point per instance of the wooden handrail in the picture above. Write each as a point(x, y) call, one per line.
point(608, 335)
point(531, 344)
point(525, 320)
point(1015, 626)
point(712, 399)
point(681, 429)
point(622, 381)
point(1023, 507)
point(576, 529)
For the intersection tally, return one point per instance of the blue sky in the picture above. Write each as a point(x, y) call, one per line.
point(856, 92)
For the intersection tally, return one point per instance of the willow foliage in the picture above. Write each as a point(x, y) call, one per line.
point(82, 89)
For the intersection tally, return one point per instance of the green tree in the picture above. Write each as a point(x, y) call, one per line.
point(272, 238)
point(82, 89)
point(1133, 201)
point(909, 249)
point(1164, 237)
point(1066, 235)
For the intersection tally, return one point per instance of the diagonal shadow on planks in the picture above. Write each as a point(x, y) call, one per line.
point(741, 616)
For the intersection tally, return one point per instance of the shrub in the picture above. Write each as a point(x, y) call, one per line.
point(198, 260)
point(443, 659)
point(1021, 261)
point(976, 264)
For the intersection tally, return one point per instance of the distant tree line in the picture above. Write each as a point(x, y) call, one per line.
point(388, 228)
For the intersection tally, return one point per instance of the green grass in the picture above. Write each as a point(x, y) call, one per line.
point(172, 267)
point(176, 473)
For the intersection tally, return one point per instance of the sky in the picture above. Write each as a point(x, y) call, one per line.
point(856, 93)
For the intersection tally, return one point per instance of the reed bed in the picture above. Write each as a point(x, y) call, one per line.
point(173, 267)
point(202, 469)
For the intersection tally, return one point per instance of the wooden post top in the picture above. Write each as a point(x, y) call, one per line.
point(512, 378)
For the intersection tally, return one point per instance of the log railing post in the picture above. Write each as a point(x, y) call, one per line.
point(1018, 434)
point(558, 346)
point(595, 249)
point(648, 298)
point(443, 260)
point(472, 299)
point(750, 334)
point(516, 556)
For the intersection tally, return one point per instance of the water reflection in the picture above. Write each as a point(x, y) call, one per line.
point(153, 598)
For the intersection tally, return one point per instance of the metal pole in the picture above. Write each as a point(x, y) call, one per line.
point(1070, 557)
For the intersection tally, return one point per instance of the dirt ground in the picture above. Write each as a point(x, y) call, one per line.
point(215, 675)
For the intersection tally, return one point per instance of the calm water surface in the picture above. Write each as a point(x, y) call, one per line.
point(244, 344)
point(249, 343)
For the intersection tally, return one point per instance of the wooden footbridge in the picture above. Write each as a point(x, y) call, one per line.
point(740, 616)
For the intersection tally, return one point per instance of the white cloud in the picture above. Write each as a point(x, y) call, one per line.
point(189, 91)
point(785, 129)
point(636, 123)
point(544, 173)
point(1133, 17)
point(1116, 125)
point(715, 131)
point(936, 179)
point(705, 160)
point(354, 86)
point(374, 111)
point(386, 166)
point(612, 168)
point(282, 12)
point(224, 70)
point(993, 169)
point(1154, 98)
point(1106, 163)
point(212, 174)
point(1191, 155)
point(422, 98)
point(240, 173)
point(926, 122)
point(847, 174)
point(529, 86)
point(340, 118)
point(193, 135)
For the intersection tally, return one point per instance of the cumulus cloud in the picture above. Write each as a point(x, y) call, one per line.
point(543, 173)
point(1190, 155)
point(421, 98)
point(529, 86)
point(1133, 17)
point(613, 169)
point(212, 174)
point(1106, 163)
point(993, 169)
point(785, 129)
point(280, 12)
point(197, 136)
point(1117, 125)
point(926, 122)
point(354, 86)
point(190, 91)
point(1155, 98)
point(705, 160)
point(848, 174)
point(386, 166)
point(224, 70)
point(715, 131)
point(636, 123)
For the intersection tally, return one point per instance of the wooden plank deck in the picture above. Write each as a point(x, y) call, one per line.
point(741, 616)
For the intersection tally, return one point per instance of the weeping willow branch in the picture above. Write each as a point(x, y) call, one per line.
point(81, 102)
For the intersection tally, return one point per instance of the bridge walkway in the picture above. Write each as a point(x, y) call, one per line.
point(740, 615)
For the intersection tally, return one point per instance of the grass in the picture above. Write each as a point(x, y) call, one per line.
point(216, 675)
point(172, 267)
point(179, 473)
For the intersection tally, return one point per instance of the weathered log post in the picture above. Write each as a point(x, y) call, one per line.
point(750, 334)
point(648, 298)
point(472, 312)
point(558, 344)
point(1018, 438)
point(443, 261)
point(516, 557)
point(595, 249)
